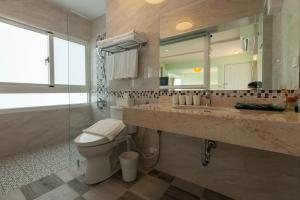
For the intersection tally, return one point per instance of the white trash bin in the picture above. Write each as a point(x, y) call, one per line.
point(129, 165)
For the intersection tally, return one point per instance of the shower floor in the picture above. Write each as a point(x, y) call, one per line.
point(23, 168)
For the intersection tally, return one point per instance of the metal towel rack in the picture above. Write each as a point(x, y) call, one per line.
point(125, 44)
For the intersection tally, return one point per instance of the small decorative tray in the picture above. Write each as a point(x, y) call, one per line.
point(267, 107)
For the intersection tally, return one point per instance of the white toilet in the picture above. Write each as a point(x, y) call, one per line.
point(102, 155)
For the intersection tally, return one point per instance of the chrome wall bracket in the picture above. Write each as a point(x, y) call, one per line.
point(207, 146)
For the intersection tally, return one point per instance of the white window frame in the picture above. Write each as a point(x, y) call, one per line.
point(9, 88)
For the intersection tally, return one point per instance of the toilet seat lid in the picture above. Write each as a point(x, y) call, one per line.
point(109, 125)
point(86, 139)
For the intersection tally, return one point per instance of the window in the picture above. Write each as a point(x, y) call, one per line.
point(22, 55)
point(74, 53)
point(21, 100)
point(27, 70)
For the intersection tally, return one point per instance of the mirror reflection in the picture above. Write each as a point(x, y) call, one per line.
point(257, 52)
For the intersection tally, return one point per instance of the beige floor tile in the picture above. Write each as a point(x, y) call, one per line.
point(13, 195)
point(109, 190)
point(63, 192)
point(70, 173)
point(150, 188)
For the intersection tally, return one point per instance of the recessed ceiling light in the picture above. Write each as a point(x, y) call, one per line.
point(197, 69)
point(255, 57)
point(182, 26)
point(236, 51)
point(154, 1)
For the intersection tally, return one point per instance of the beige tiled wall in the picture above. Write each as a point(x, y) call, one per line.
point(241, 173)
point(24, 131)
point(45, 15)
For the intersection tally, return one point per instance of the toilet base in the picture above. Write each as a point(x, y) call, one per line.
point(98, 170)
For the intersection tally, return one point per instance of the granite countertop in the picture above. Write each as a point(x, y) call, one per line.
point(225, 112)
point(266, 130)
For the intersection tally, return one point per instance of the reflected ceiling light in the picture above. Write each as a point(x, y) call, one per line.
point(197, 69)
point(154, 1)
point(166, 50)
point(182, 26)
point(255, 57)
point(236, 51)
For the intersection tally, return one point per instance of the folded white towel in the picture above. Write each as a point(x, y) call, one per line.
point(109, 128)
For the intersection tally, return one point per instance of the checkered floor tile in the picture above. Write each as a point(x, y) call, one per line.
point(69, 185)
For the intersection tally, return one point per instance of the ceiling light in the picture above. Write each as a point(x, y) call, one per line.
point(166, 50)
point(255, 57)
point(154, 1)
point(236, 51)
point(197, 69)
point(182, 26)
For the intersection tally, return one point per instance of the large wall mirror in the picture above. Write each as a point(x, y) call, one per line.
point(260, 51)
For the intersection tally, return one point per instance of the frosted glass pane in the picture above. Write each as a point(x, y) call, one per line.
point(69, 62)
point(8, 101)
point(61, 61)
point(76, 64)
point(22, 55)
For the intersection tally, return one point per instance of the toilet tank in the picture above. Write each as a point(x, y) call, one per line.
point(116, 112)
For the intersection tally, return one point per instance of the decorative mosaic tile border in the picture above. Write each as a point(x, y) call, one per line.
point(136, 94)
point(269, 94)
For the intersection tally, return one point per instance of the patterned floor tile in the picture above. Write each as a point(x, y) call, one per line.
point(211, 195)
point(13, 195)
point(108, 190)
point(12, 175)
point(150, 188)
point(32, 166)
point(79, 186)
point(188, 187)
point(55, 157)
point(71, 173)
point(63, 192)
point(118, 178)
point(80, 198)
point(130, 196)
point(178, 194)
point(40, 187)
point(161, 175)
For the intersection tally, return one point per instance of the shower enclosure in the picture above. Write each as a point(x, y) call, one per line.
point(44, 90)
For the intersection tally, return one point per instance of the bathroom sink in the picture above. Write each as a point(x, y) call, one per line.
point(204, 108)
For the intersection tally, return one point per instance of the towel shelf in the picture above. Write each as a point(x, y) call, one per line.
point(124, 46)
point(123, 42)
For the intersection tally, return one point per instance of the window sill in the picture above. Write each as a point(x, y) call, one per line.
point(42, 108)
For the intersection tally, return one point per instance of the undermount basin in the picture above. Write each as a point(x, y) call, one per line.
point(204, 108)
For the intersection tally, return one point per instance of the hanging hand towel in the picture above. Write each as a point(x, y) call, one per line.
point(123, 65)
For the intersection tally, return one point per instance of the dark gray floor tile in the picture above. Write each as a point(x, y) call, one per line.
point(40, 187)
point(211, 195)
point(188, 187)
point(79, 186)
point(161, 175)
point(130, 196)
point(178, 194)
